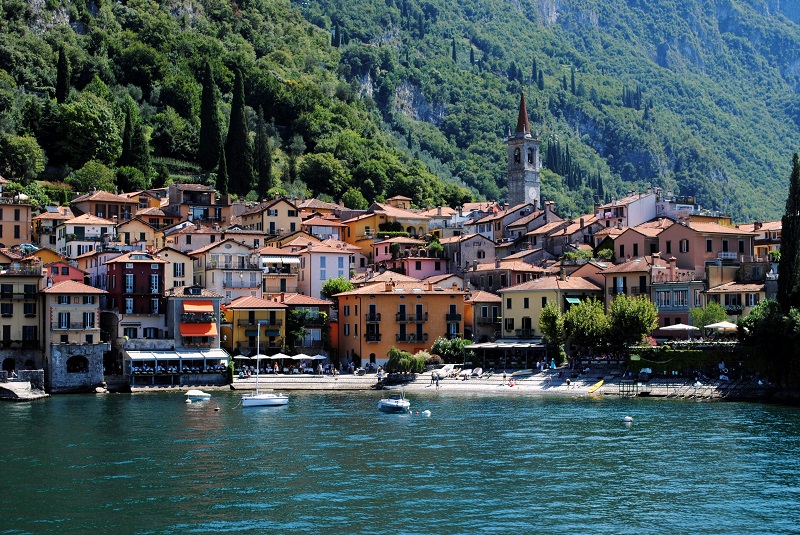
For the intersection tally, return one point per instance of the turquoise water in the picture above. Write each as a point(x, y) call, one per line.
point(331, 463)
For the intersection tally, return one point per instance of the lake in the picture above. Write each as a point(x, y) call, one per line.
point(331, 463)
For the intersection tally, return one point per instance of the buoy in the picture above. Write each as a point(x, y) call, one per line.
point(426, 412)
point(216, 409)
point(628, 419)
point(188, 401)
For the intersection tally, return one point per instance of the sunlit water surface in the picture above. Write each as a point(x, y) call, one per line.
point(331, 463)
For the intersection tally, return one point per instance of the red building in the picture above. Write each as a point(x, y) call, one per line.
point(136, 284)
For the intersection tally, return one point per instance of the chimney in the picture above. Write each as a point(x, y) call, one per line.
point(429, 286)
point(439, 210)
point(757, 226)
point(562, 275)
point(671, 269)
point(582, 223)
point(455, 287)
point(197, 224)
point(388, 286)
point(496, 263)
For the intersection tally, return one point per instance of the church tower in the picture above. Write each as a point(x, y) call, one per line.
point(524, 162)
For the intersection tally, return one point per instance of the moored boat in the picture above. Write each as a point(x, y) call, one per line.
point(264, 399)
point(394, 403)
point(197, 395)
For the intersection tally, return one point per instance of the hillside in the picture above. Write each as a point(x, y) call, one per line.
point(696, 96)
point(128, 95)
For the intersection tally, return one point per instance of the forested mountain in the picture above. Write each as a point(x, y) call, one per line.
point(126, 95)
point(696, 96)
point(363, 99)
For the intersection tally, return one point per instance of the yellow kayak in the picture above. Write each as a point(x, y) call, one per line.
point(596, 386)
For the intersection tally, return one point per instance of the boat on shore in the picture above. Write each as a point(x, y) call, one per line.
point(264, 399)
point(197, 395)
point(394, 403)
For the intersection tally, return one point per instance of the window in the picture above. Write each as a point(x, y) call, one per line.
point(272, 213)
point(669, 247)
point(129, 265)
point(63, 320)
point(30, 309)
point(741, 246)
point(177, 270)
point(30, 333)
point(509, 324)
point(154, 306)
point(89, 338)
point(129, 283)
point(544, 302)
point(7, 309)
point(16, 231)
point(88, 320)
point(54, 270)
point(188, 239)
point(128, 305)
point(347, 310)
point(65, 270)
point(30, 290)
point(484, 311)
point(63, 299)
point(292, 213)
point(635, 249)
point(16, 214)
point(724, 246)
point(481, 254)
point(418, 266)
point(88, 299)
point(150, 332)
point(347, 329)
point(662, 298)
point(684, 246)
point(751, 300)
point(681, 298)
point(508, 303)
point(526, 303)
point(666, 322)
point(503, 280)
point(697, 297)
point(622, 251)
point(709, 245)
point(491, 281)
point(154, 284)
point(130, 332)
point(437, 266)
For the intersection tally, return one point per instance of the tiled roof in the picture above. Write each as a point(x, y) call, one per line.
point(575, 226)
point(484, 206)
point(555, 283)
point(127, 257)
point(88, 219)
point(294, 299)
point(480, 296)
point(715, 228)
point(179, 291)
point(527, 219)
point(547, 228)
point(193, 187)
point(767, 226)
point(636, 265)
point(391, 211)
point(434, 212)
point(624, 201)
point(320, 222)
point(72, 287)
point(464, 237)
point(737, 287)
point(436, 279)
point(512, 265)
point(655, 227)
point(212, 245)
point(249, 302)
point(151, 211)
point(315, 204)
point(403, 288)
point(386, 276)
point(63, 263)
point(64, 212)
point(102, 196)
point(401, 240)
point(501, 213)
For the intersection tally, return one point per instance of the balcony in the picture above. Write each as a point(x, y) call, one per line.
point(524, 333)
point(189, 317)
point(263, 323)
point(488, 321)
point(411, 338)
point(277, 343)
point(71, 326)
point(373, 318)
point(727, 255)
point(277, 272)
point(315, 320)
point(451, 336)
point(310, 344)
point(273, 287)
point(372, 337)
point(241, 284)
point(76, 237)
point(640, 290)
point(452, 317)
point(412, 318)
point(733, 310)
point(141, 290)
point(245, 264)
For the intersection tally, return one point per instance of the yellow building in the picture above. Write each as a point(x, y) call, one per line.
point(15, 222)
point(244, 317)
point(407, 315)
point(523, 303)
point(179, 269)
point(20, 331)
point(275, 217)
point(136, 232)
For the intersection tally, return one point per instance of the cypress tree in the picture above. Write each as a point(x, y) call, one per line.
point(789, 265)
point(238, 151)
point(263, 156)
point(534, 71)
point(222, 174)
point(471, 56)
point(62, 76)
point(126, 156)
point(540, 81)
point(572, 79)
point(455, 51)
point(208, 150)
point(140, 151)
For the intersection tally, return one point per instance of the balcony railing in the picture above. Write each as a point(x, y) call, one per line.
point(273, 272)
point(733, 310)
point(727, 255)
point(488, 321)
point(234, 265)
point(272, 287)
point(265, 344)
point(72, 325)
point(411, 337)
point(640, 290)
point(412, 318)
point(241, 284)
point(263, 323)
point(452, 317)
point(522, 333)
point(309, 344)
point(190, 317)
point(372, 337)
point(146, 290)
point(373, 318)
point(75, 237)
point(451, 336)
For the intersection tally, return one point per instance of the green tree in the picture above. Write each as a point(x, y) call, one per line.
point(295, 327)
point(208, 150)
point(551, 323)
point(263, 156)
point(85, 129)
point(221, 184)
point(774, 337)
point(21, 157)
point(297, 146)
point(131, 179)
point(631, 319)
point(93, 175)
point(126, 154)
point(141, 150)
point(789, 265)
point(324, 174)
point(453, 351)
point(587, 326)
point(354, 199)
point(335, 286)
point(712, 313)
point(62, 76)
point(454, 52)
point(238, 150)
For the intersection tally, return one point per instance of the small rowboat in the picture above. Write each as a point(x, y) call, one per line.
point(595, 386)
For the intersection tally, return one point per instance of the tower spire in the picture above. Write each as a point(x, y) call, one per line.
point(523, 127)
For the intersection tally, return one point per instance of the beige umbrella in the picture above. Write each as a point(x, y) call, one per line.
point(724, 326)
point(680, 327)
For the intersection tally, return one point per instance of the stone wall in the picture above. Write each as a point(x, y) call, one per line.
point(61, 381)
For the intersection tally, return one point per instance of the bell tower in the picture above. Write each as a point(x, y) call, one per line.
point(524, 162)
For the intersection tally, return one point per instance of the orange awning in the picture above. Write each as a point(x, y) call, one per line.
point(198, 329)
point(198, 306)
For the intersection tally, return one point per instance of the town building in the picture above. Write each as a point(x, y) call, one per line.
point(245, 317)
point(524, 163)
point(274, 217)
point(228, 268)
point(21, 316)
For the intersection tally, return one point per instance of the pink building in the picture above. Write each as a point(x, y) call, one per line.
point(422, 267)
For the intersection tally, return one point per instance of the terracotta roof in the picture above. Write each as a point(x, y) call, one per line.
point(72, 287)
point(434, 212)
point(320, 222)
point(575, 226)
point(766, 226)
point(553, 226)
point(479, 296)
point(142, 221)
point(527, 219)
point(610, 231)
point(249, 302)
point(737, 287)
point(192, 229)
point(401, 240)
point(151, 211)
point(636, 265)
point(266, 205)
point(193, 187)
point(64, 263)
point(464, 237)
point(501, 213)
point(386, 276)
point(294, 299)
point(270, 250)
point(513, 265)
point(436, 279)
point(127, 257)
point(88, 219)
point(655, 227)
point(555, 283)
point(401, 213)
point(522, 254)
point(178, 291)
point(212, 245)
point(64, 212)
point(483, 206)
point(399, 198)
point(317, 204)
point(301, 241)
point(624, 201)
point(715, 228)
point(339, 244)
point(403, 288)
point(102, 196)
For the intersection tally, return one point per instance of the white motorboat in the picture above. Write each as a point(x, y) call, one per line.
point(264, 399)
point(197, 395)
point(394, 403)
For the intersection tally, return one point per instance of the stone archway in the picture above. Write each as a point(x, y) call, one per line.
point(9, 365)
point(78, 364)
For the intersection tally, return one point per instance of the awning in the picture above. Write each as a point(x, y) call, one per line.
point(251, 332)
point(573, 300)
point(199, 329)
point(203, 354)
point(279, 260)
point(272, 332)
point(198, 306)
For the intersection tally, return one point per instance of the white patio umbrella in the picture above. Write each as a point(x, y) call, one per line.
point(279, 356)
point(724, 326)
point(680, 327)
point(301, 356)
point(319, 356)
point(241, 357)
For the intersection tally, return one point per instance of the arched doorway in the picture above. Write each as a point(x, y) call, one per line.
point(78, 364)
point(9, 365)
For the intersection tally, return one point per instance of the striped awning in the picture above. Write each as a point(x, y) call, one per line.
point(198, 306)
